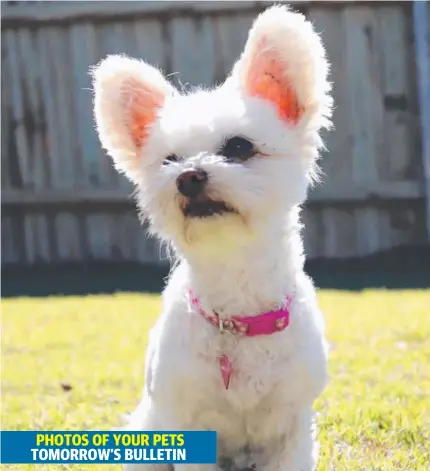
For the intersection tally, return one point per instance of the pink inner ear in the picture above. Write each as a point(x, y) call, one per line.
point(141, 105)
point(266, 79)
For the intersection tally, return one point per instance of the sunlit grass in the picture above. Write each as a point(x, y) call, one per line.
point(374, 416)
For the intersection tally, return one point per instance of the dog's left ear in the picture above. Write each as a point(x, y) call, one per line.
point(284, 63)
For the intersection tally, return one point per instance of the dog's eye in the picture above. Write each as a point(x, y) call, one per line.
point(170, 159)
point(238, 149)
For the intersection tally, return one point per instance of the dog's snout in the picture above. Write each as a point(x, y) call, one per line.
point(191, 182)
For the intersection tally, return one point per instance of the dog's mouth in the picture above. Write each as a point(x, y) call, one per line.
point(206, 208)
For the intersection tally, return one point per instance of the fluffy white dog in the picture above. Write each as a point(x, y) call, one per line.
point(239, 346)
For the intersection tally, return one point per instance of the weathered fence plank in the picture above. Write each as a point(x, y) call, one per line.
point(29, 74)
point(230, 35)
point(394, 162)
point(192, 34)
point(18, 109)
point(366, 113)
point(336, 163)
point(341, 194)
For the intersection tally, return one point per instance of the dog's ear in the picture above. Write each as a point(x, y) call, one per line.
point(128, 95)
point(284, 63)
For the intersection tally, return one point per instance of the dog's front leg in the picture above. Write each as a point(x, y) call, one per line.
point(297, 449)
point(147, 417)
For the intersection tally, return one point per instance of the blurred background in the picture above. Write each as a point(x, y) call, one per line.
point(68, 221)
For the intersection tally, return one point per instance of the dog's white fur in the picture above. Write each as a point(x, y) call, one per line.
point(237, 264)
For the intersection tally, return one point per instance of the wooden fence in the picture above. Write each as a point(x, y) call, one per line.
point(61, 198)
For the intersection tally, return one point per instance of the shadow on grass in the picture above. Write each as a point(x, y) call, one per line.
point(404, 268)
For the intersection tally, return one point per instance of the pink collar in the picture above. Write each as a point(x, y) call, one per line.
point(263, 324)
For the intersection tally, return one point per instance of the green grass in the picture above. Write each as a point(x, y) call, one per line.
point(374, 416)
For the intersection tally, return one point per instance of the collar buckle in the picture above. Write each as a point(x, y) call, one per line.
point(225, 325)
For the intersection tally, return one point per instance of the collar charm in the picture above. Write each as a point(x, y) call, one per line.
point(225, 369)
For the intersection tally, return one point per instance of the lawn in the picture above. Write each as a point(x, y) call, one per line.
point(77, 363)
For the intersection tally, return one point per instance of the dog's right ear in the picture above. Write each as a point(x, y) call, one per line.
point(128, 94)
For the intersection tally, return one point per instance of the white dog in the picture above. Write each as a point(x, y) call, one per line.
point(239, 346)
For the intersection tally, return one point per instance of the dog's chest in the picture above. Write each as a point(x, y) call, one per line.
point(191, 373)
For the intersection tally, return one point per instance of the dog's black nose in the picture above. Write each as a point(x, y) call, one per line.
point(191, 182)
